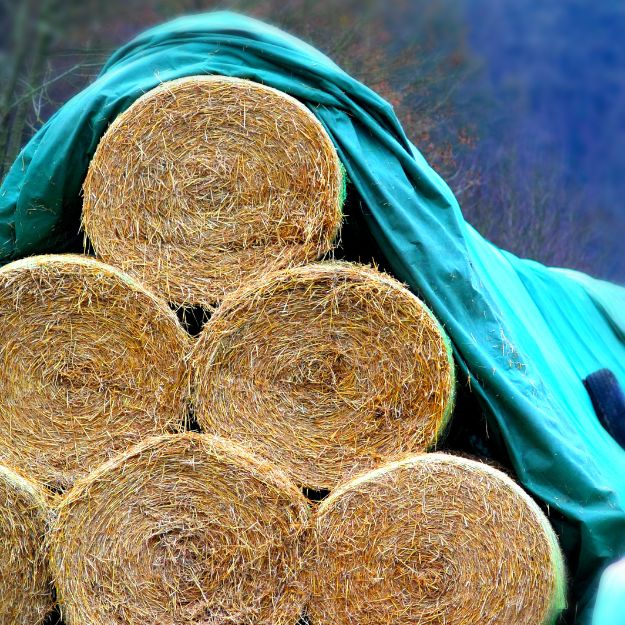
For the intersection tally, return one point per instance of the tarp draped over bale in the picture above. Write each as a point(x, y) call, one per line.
point(181, 529)
point(325, 369)
point(524, 335)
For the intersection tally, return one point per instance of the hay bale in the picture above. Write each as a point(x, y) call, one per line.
point(25, 586)
point(186, 529)
point(91, 363)
point(325, 369)
point(207, 182)
point(434, 539)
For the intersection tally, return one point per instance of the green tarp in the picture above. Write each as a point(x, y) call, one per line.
point(610, 608)
point(524, 335)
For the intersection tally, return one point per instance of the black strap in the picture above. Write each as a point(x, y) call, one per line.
point(608, 400)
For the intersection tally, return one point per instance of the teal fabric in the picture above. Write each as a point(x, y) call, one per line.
point(610, 608)
point(524, 335)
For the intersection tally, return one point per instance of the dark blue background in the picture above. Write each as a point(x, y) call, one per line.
point(555, 70)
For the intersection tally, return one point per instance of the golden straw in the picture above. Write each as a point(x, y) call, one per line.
point(325, 369)
point(91, 363)
point(25, 585)
point(182, 529)
point(434, 539)
point(207, 182)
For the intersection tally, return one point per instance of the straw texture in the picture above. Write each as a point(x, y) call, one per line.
point(182, 529)
point(91, 363)
point(207, 182)
point(25, 587)
point(434, 539)
point(325, 369)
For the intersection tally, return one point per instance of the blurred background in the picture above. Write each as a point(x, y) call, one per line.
point(519, 105)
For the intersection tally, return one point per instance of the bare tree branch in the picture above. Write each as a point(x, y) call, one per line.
point(20, 47)
point(43, 86)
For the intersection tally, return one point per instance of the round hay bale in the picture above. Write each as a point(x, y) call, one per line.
point(91, 363)
point(326, 369)
point(207, 182)
point(182, 529)
point(25, 586)
point(434, 539)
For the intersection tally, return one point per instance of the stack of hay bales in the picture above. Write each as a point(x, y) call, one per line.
point(314, 375)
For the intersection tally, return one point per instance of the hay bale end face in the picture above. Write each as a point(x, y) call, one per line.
point(207, 182)
point(326, 369)
point(25, 586)
point(434, 539)
point(91, 363)
point(185, 529)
